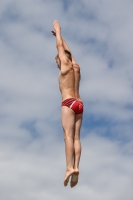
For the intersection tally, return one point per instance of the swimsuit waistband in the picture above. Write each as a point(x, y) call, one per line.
point(72, 99)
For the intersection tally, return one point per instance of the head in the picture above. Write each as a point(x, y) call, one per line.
point(68, 54)
point(58, 61)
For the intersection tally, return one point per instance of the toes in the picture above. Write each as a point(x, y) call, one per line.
point(73, 184)
point(74, 179)
point(66, 181)
point(67, 177)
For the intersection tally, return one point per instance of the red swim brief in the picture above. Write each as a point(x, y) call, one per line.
point(74, 104)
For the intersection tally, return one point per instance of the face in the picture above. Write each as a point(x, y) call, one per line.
point(58, 61)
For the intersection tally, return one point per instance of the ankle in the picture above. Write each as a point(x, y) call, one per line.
point(69, 169)
point(76, 169)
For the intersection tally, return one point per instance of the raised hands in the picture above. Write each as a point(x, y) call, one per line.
point(56, 25)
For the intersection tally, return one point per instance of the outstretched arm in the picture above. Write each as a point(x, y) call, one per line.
point(59, 41)
point(65, 63)
point(66, 47)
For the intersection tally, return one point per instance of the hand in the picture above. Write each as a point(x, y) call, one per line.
point(54, 33)
point(56, 25)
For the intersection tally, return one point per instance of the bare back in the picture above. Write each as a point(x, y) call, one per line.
point(77, 77)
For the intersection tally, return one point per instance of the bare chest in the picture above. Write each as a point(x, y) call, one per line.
point(66, 80)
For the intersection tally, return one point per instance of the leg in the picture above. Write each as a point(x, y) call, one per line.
point(68, 123)
point(77, 143)
point(77, 149)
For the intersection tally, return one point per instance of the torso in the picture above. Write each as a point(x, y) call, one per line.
point(69, 83)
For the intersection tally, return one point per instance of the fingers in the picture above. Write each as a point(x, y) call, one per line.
point(56, 27)
point(55, 21)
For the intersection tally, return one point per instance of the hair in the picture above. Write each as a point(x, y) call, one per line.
point(68, 54)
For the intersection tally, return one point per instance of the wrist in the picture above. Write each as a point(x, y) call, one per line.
point(58, 29)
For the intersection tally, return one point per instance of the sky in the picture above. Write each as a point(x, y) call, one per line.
point(32, 158)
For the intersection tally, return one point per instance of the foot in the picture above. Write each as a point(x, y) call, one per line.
point(74, 179)
point(67, 176)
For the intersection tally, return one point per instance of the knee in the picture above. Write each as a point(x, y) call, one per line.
point(68, 134)
point(76, 137)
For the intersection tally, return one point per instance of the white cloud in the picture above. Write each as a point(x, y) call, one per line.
point(37, 170)
point(32, 161)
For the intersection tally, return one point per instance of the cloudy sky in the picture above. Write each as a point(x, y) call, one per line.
point(32, 161)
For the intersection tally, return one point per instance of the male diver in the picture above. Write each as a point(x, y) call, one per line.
point(72, 105)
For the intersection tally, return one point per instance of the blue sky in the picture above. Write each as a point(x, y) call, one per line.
point(32, 159)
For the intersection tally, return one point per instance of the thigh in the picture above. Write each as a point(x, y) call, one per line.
point(68, 119)
point(78, 123)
